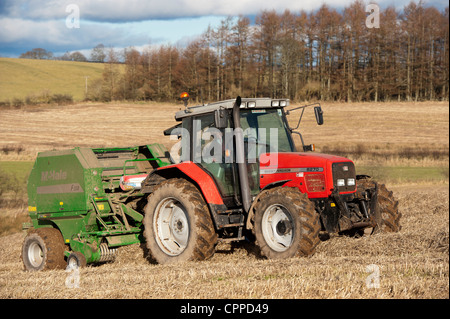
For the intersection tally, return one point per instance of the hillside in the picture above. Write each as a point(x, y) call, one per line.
point(22, 77)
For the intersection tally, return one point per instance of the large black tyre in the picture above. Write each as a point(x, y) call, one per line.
point(387, 217)
point(285, 224)
point(43, 249)
point(177, 224)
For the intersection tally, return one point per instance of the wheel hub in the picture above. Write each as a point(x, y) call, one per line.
point(35, 254)
point(171, 227)
point(278, 228)
point(283, 227)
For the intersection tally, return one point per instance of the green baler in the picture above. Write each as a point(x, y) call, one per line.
point(89, 196)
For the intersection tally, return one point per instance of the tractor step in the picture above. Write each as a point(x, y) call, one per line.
point(229, 240)
point(230, 218)
point(230, 211)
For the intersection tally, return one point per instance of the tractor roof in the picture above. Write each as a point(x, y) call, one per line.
point(228, 104)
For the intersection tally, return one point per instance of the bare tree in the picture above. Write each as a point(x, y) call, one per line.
point(98, 53)
point(111, 76)
point(78, 57)
point(326, 55)
point(38, 54)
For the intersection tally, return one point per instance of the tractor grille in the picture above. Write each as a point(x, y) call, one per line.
point(344, 171)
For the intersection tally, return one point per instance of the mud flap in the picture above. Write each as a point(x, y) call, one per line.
point(374, 207)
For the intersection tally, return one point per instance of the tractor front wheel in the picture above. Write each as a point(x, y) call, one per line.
point(177, 224)
point(285, 224)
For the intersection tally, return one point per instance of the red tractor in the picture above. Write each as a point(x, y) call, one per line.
point(239, 176)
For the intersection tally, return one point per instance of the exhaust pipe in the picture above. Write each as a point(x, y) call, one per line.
point(240, 156)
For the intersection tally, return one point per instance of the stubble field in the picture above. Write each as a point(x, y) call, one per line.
point(381, 137)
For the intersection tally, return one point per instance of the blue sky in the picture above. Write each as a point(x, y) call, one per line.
point(28, 24)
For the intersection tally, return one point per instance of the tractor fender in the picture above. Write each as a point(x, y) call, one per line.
point(251, 212)
point(192, 172)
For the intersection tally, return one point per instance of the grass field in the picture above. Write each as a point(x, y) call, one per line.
point(20, 78)
point(404, 145)
point(406, 175)
point(19, 169)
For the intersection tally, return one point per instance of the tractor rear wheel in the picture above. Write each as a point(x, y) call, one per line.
point(285, 224)
point(177, 224)
point(43, 249)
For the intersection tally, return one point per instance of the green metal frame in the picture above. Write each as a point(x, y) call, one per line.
point(78, 192)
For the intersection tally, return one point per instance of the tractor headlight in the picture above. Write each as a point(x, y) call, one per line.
point(351, 182)
point(283, 103)
point(275, 103)
point(341, 182)
point(251, 104)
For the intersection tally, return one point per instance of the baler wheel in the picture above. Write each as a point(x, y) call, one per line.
point(177, 224)
point(76, 260)
point(285, 224)
point(43, 249)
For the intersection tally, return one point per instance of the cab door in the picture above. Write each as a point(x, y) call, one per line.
point(208, 150)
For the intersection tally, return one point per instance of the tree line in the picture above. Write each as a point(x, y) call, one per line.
point(97, 55)
point(326, 55)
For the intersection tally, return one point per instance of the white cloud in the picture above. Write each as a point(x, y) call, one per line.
point(54, 35)
point(121, 23)
point(139, 10)
point(15, 29)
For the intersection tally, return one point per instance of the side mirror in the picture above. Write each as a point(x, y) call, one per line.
point(319, 115)
point(221, 119)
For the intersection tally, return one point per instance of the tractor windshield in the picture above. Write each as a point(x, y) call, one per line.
point(267, 129)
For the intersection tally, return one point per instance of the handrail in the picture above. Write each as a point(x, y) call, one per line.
point(139, 160)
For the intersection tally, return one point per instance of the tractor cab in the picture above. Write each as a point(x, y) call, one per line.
point(208, 138)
